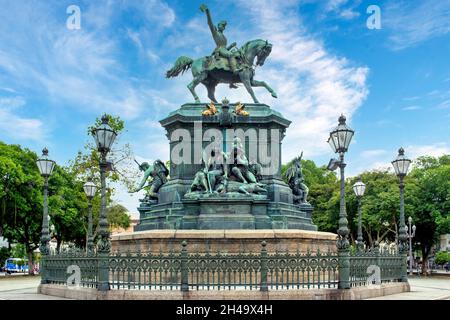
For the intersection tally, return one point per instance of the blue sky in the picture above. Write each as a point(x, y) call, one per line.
point(393, 84)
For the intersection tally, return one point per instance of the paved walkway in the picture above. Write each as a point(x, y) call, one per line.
point(435, 288)
point(424, 288)
point(22, 288)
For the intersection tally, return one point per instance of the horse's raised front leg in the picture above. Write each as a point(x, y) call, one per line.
point(191, 86)
point(245, 79)
point(256, 83)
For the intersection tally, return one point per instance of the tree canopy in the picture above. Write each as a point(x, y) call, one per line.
point(427, 201)
point(21, 192)
point(21, 197)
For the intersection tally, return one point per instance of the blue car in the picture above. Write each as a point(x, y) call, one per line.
point(16, 265)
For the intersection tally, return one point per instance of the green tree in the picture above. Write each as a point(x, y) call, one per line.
point(18, 250)
point(118, 216)
point(22, 197)
point(67, 207)
point(442, 257)
point(379, 206)
point(323, 194)
point(123, 170)
point(429, 201)
point(5, 253)
point(86, 163)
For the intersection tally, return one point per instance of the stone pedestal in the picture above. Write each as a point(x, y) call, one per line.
point(273, 211)
point(226, 241)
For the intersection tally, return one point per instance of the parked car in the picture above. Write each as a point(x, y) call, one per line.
point(16, 265)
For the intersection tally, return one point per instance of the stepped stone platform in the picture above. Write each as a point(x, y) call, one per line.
point(358, 293)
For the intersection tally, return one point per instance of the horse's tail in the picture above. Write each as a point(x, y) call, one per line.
point(182, 64)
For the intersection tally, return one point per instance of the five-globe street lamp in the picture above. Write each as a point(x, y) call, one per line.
point(359, 188)
point(401, 165)
point(339, 141)
point(104, 137)
point(45, 166)
point(90, 189)
point(411, 234)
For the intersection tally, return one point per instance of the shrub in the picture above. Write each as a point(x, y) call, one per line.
point(442, 257)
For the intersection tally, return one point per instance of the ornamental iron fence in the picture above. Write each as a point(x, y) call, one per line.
point(57, 266)
point(375, 266)
point(186, 271)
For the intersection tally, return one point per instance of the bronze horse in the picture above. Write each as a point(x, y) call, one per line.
point(211, 71)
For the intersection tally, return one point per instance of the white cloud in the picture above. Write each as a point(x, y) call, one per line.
point(159, 11)
point(9, 90)
point(411, 98)
point(380, 159)
point(19, 128)
point(444, 105)
point(313, 85)
point(333, 5)
point(342, 8)
point(134, 36)
point(148, 53)
point(411, 23)
point(349, 14)
point(432, 150)
point(83, 68)
point(152, 56)
point(411, 108)
point(11, 102)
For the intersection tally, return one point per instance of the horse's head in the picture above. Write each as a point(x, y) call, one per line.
point(264, 50)
point(259, 49)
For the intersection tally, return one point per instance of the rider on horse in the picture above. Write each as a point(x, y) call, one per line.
point(221, 49)
point(225, 65)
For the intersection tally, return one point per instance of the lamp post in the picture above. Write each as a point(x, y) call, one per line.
point(359, 188)
point(90, 189)
point(339, 141)
point(45, 166)
point(411, 234)
point(401, 165)
point(104, 137)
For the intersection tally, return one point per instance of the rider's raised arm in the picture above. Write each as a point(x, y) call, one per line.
point(205, 9)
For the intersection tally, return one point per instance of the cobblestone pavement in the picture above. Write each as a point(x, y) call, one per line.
point(435, 288)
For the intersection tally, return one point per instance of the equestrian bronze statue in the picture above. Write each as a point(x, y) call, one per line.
point(227, 64)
